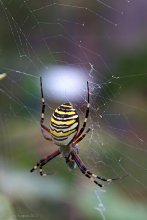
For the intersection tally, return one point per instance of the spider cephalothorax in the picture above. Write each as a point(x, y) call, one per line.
point(64, 132)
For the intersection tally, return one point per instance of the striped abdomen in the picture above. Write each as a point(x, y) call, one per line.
point(64, 124)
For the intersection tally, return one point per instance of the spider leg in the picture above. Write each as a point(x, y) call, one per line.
point(44, 161)
point(81, 138)
point(43, 127)
point(86, 116)
point(89, 174)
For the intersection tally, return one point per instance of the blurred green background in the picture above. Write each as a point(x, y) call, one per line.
point(108, 41)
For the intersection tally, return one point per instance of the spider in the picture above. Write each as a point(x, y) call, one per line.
point(64, 132)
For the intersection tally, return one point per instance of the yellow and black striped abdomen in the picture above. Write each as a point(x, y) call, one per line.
point(64, 124)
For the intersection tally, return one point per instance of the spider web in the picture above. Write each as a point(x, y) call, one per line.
point(67, 43)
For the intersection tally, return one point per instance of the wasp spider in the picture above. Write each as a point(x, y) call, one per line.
point(64, 132)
